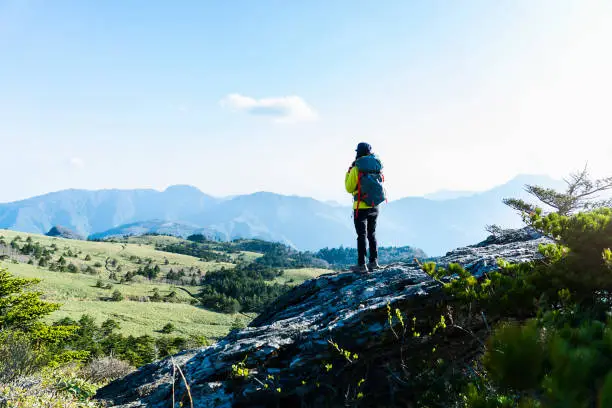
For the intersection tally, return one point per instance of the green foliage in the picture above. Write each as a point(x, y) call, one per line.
point(515, 356)
point(19, 308)
point(22, 310)
point(168, 328)
point(156, 296)
point(105, 340)
point(237, 324)
point(195, 248)
point(116, 296)
point(562, 355)
point(349, 356)
point(245, 288)
point(476, 396)
point(79, 388)
point(341, 257)
point(149, 271)
point(605, 395)
point(46, 393)
point(240, 370)
point(581, 195)
point(17, 356)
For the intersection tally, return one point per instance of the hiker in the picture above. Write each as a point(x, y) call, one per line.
point(364, 180)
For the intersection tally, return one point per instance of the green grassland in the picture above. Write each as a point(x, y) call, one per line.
point(297, 276)
point(99, 251)
point(78, 295)
point(64, 286)
point(78, 292)
point(139, 318)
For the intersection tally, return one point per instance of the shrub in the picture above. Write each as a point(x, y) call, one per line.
point(87, 257)
point(105, 369)
point(171, 297)
point(79, 388)
point(167, 346)
point(17, 357)
point(88, 269)
point(237, 324)
point(40, 392)
point(156, 296)
point(515, 356)
point(168, 328)
point(109, 326)
point(116, 296)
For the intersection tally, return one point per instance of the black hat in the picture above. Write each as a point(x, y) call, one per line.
point(363, 149)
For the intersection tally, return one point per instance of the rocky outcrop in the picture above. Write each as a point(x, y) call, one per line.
point(517, 245)
point(288, 348)
point(62, 232)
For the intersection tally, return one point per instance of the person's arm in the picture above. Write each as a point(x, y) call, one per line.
point(350, 180)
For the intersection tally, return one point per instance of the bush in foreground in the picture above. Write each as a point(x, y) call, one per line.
point(105, 369)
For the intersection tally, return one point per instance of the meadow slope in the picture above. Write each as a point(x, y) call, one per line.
point(79, 293)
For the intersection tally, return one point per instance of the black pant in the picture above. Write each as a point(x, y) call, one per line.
point(365, 221)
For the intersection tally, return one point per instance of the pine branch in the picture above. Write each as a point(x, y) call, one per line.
point(519, 205)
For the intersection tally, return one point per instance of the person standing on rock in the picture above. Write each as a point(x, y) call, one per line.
point(364, 180)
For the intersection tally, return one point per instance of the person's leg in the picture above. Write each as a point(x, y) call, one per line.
point(360, 228)
point(371, 229)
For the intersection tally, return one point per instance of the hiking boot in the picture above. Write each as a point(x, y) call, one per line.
point(359, 268)
point(373, 265)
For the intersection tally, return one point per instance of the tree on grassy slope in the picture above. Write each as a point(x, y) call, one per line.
point(21, 326)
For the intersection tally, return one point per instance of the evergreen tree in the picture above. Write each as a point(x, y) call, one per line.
point(582, 193)
point(156, 296)
point(168, 328)
point(21, 308)
point(109, 326)
point(117, 296)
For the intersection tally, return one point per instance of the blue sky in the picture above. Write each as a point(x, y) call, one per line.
point(240, 96)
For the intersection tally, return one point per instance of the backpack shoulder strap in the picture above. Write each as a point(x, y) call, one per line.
point(359, 175)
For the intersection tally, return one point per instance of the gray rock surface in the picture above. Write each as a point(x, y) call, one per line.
point(286, 346)
point(61, 232)
point(512, 245)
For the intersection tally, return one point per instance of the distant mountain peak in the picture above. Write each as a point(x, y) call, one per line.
point(182, 189)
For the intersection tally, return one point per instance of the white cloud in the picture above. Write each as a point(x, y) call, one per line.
point(76, 162)
point(286, 109)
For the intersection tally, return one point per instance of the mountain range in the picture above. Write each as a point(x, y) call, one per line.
point(436, 224)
